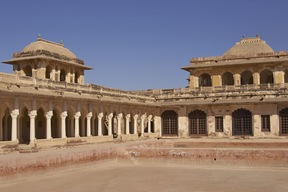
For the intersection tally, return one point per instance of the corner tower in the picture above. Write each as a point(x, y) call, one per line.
point(45, 59)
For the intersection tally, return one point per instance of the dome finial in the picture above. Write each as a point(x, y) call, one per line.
point(39, 36)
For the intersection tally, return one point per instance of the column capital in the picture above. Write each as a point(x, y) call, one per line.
point(33, 114)
point(136, 116)
point(77, 115)
point(89, 115)
point(150, 117)
point(143, 116)
point(49, 114)
point(128, 116)
point(100, 115)
point(110, 115)
point(15, 113)
point(64, 114)
point(119, 116)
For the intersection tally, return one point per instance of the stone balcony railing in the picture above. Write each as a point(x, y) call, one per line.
point(62, 87)
point(146, 96)
point(204, 92)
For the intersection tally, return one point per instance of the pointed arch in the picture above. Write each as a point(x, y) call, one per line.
point(56, 124)
point(40, 124)
point(6, 126)
point(24, 126)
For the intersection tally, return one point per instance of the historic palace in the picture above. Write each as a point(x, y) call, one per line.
point(242, 93)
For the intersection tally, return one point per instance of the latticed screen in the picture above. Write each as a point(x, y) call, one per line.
point(265, 123)
point(284, 124)
point(284, 121)
point(219, 124)
point(169, 123)
point(197, 123)
point(242, 122)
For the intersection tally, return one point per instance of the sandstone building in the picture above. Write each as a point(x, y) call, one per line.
point(242, 93)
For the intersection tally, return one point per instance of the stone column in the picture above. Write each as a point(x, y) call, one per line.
point(119, 118)
point(237, 79)
point(279, 77)
point(88, 116)
point(110, 116)
point(216, 80)
point(14, 115)
point(76, 116)
point(227, 124)
point(49, 115)
point(63, 124)
point(275, 124)
point(256, 126)
point(135, 123)
point(143, 117)
point(256, 78)
point(127, 124)
point(1, 133)
point(149, 123)
point(32, 116)
point(100, 116)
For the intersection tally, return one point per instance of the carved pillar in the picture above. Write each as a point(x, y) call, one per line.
point(100, 116)
point(76, 116)
point(63, 124)
point(149, 123)
point(256, 78)
point(110, 116)
point(143, 117)
point(237, 79)
point(88, 116)
point(127, 124)
point(49, 115)
point(32, 116)
point(135, 123)
point(14, 115)
point(119, 118)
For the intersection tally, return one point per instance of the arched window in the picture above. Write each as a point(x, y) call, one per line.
point(246, 77)
point(284, 122)
point(40, 125)
point(286, 76)
point(197, 123)
point(266, 76)
point(227, 79)
point(28, 71)
point(76, 77)
point(242, 122)
point(169, 123)
point(6, 126)
point(62, 75)
point(48, 72)
point(25, 126)
point(205, 80)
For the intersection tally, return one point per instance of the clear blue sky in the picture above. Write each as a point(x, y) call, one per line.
point(140, 44)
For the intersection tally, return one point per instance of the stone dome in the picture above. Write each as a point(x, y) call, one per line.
point(249, 46)
point(45, 45)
